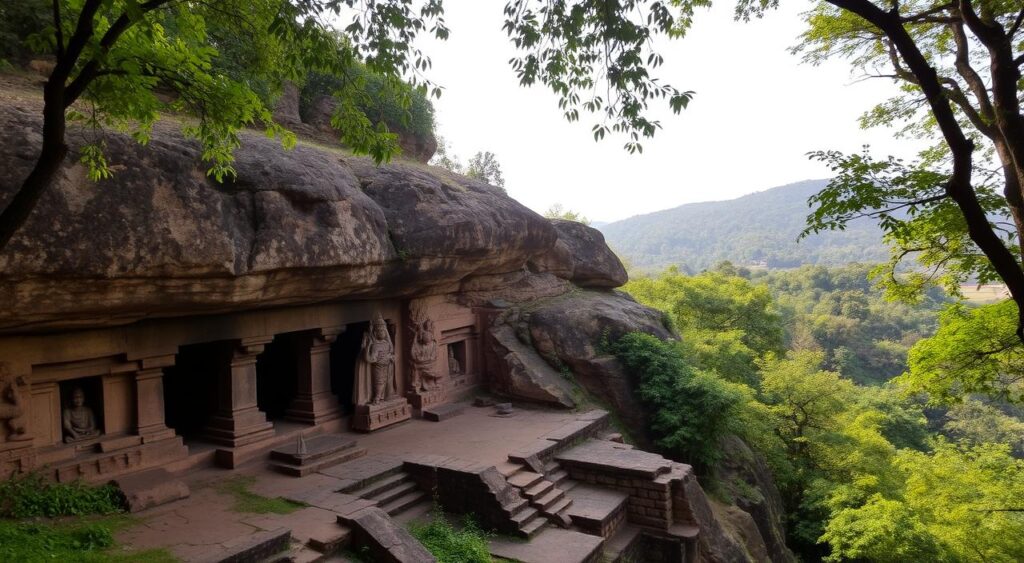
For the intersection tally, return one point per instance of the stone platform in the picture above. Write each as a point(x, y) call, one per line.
point(425, 399)
point(307, 456)
point(367, 418)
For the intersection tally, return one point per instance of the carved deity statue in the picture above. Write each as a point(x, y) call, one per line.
point(423, 356)
point(79, 419)
point(12, 408)
point(453, 364)
point(375, 367)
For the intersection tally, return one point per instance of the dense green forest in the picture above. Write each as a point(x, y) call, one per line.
point(810, 367)
point(763, 226)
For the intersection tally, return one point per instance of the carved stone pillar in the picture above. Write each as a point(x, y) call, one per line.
point(149, 400)
point(238, 420)
point(314, 403)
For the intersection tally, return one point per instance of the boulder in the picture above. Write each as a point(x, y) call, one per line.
point(161, 238)
point(516, 370)
point(286, 108)
point(420, 148)
point(582, 256)
point(568, 330)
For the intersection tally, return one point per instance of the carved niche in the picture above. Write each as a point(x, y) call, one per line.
point(12, 405)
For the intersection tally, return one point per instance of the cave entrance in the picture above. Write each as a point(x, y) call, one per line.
point(190, 386)
point(277, 372)
point(344, 353)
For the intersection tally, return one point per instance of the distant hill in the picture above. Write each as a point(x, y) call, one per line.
point(756, 229)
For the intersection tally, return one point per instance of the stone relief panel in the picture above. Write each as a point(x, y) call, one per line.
point(13, 408)
point(423, 354)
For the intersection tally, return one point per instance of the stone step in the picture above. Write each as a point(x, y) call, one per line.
point(295, 470)
point(403, 502)
point(525, 479)
point(364, 472)
point(509, 468)
point(560, 506)
point(542, 487)
point(532, 526)
point(317, 447)
point(417, 512)
point(523, 516)
point(547, 500)
point(391, 494)
point(558, 477)
point(437, 413)
point(380, 485)
point(515, 506)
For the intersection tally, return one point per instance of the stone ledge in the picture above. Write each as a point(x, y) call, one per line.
point(387, 541)
point(255, 548)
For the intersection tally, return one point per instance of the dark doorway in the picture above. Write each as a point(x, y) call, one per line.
point(277, 373)
point(344, 353)
point(190, 385)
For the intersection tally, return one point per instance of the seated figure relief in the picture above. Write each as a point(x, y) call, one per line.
point(453, 364)
point(79, 419)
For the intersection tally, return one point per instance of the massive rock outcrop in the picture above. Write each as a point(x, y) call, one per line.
point(161, 238)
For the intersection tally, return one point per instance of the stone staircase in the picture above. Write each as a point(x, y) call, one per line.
point(394, 491)
point(543, 494)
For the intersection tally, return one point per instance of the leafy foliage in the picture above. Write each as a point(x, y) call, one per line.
point(396, 105)
point(861, 476)
point(974, 351)
point(450, 545)
point(484, 166)
point(29, 496)
point(20, 20)
point(689, 410)
point(725, 321)
point(583, 48)
point(917, 218)
point(86, 541)
point(558, 211)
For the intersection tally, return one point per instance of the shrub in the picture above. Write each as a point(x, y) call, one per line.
point(450, 545)
point(688, 410)
point(30, 496)
point(399, 106)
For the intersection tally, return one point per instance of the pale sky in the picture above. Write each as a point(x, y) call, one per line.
point(758, 110)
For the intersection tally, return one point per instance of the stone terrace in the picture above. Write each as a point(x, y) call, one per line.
point(204, 527)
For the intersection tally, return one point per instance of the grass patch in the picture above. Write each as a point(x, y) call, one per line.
point(79, 539)
point(450, 544)
point(248, 501)
point(30, 496)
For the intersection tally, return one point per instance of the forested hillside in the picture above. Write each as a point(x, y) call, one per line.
point(755, 227)
point(800, 365)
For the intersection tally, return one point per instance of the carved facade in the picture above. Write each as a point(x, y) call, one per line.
point(96, 403)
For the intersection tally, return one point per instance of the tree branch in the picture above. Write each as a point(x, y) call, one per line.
point(961, 147)
point(1016, 24)
point(89, 71)
point(925, 14)
point(59, 29)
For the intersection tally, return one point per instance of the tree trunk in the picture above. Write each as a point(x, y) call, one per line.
point(51, 157)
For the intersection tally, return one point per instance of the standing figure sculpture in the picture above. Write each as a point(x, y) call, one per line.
point(375, 367)
point(79, 419)
point(423, 356)
point(12, 409)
